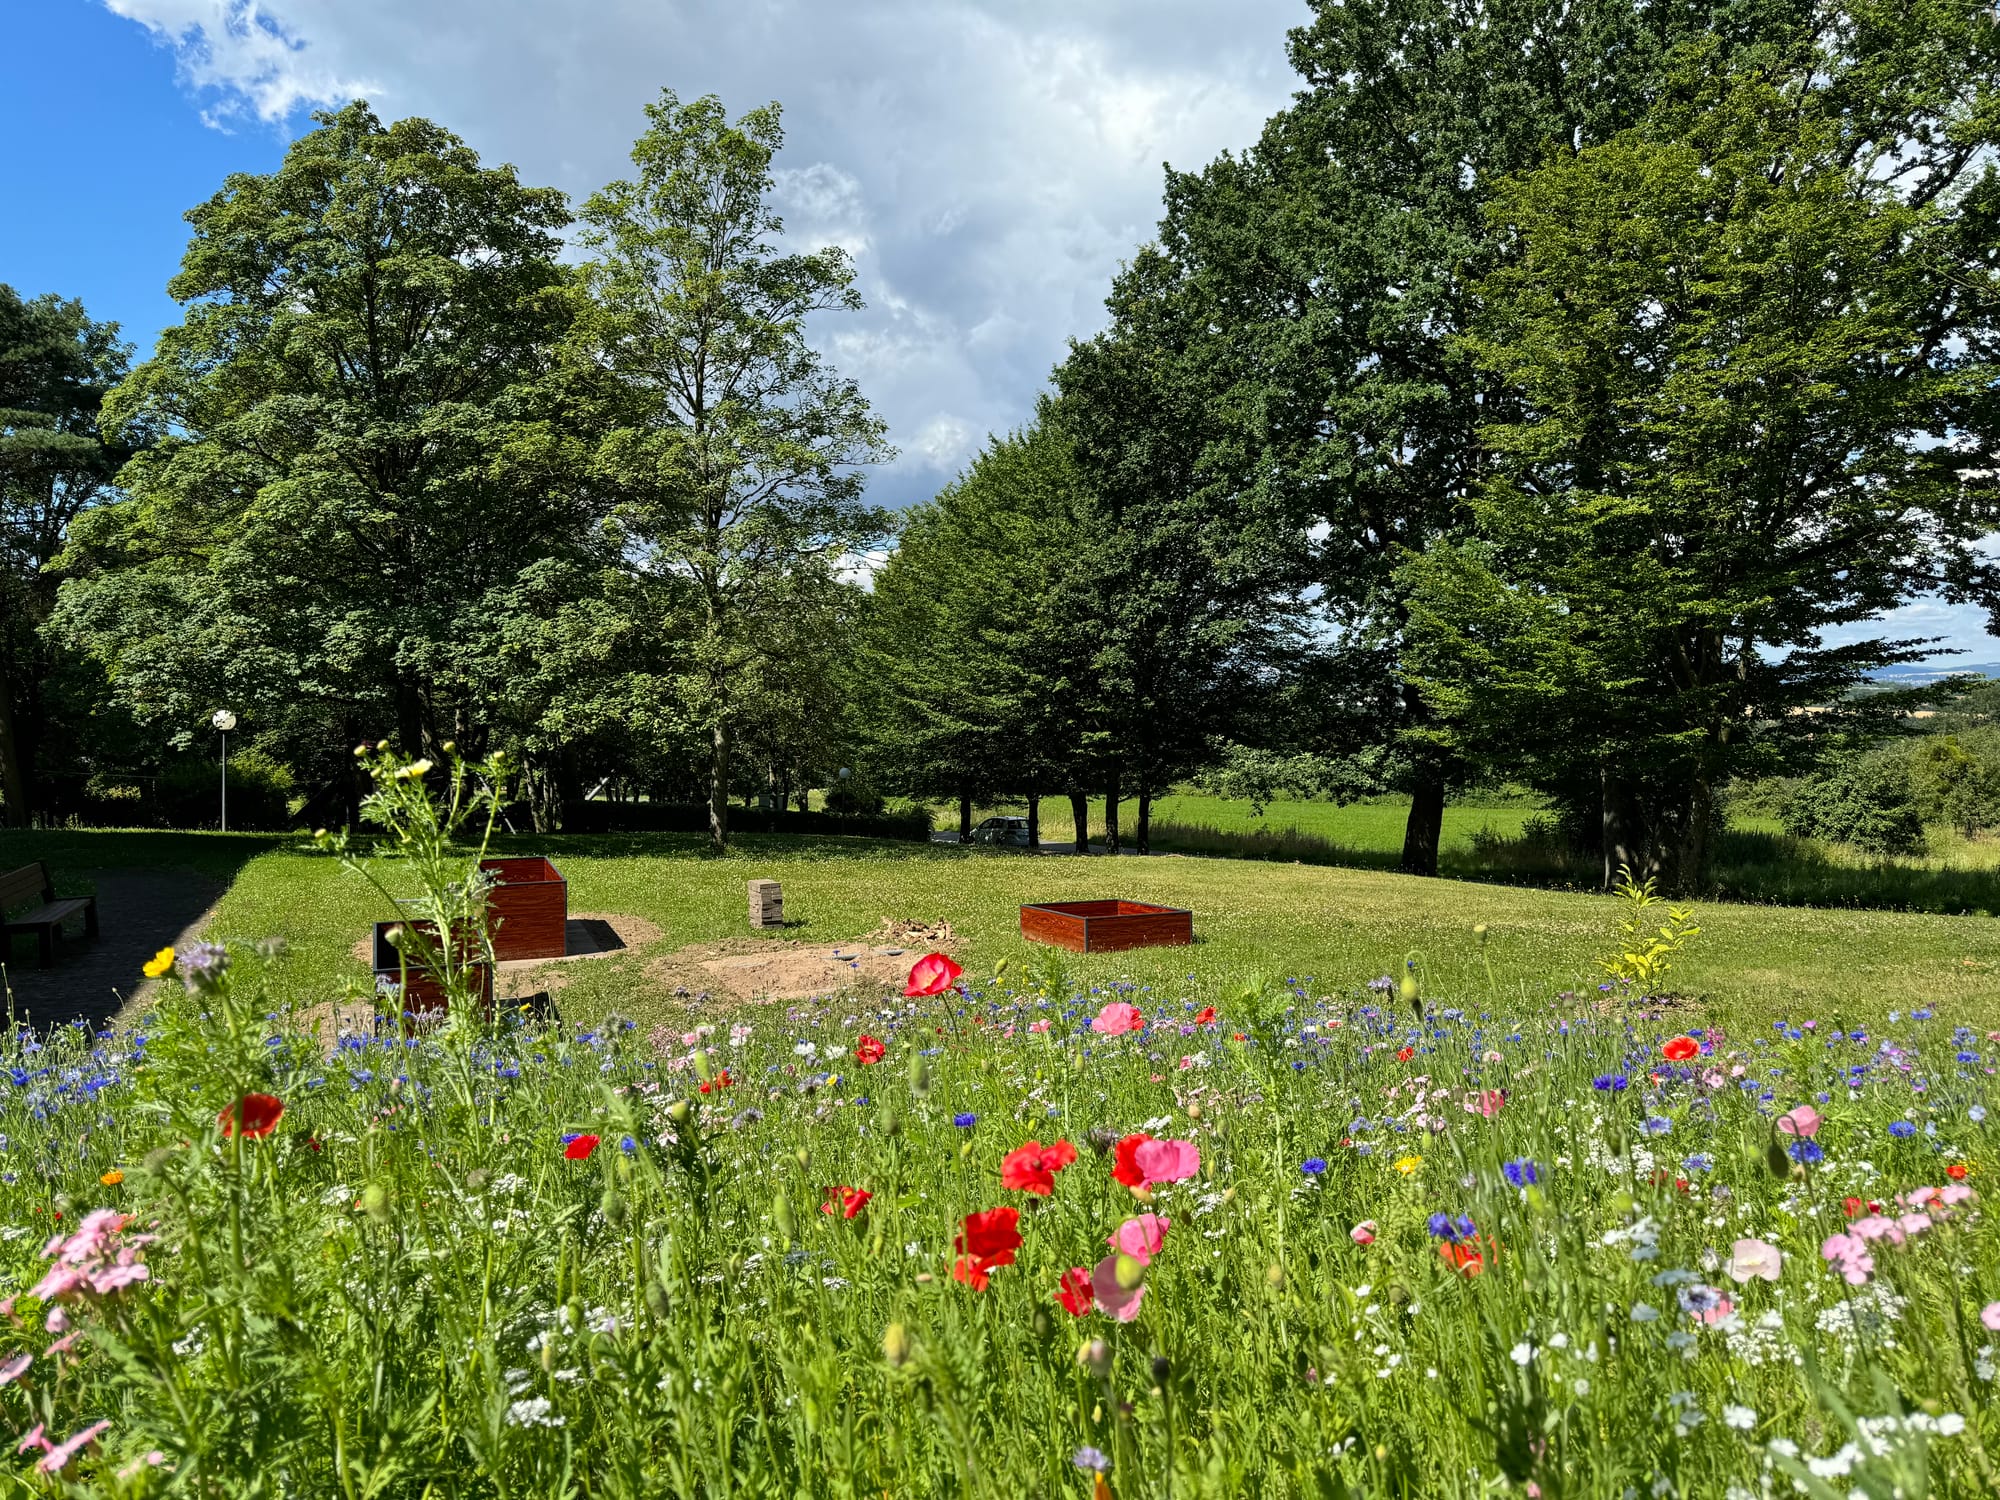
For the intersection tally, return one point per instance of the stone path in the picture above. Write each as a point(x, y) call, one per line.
point(139, 912)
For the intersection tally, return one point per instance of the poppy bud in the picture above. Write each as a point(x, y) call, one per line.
point(1776, 1161)
point(1409, 990)
point(965, 1152)
point(1129, 1270)
point(781, 1213)
point(1194, 1109)
point(801, 1157)
point(375, 1202)
point(548, 1355)
point(920, 1074)
point(450, 747)
point(394, 936)
point(612, 1206)
point(1095, 1357)
point(679, 1111)
point(157, 1159)
point(1275, 1277)
point(704, 1065)
point(1479, 933)
point(1161, 1369)
point(657, 1302)
point(1000, 971)
point(1043, 1327)
point(891, 1125)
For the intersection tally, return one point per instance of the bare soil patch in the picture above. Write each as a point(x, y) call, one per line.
point(741, 969)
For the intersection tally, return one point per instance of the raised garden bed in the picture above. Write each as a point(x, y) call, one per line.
point(527, 912)
point(424, 998)
point(1106, 926)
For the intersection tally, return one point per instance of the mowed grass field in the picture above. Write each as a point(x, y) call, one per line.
point(1342, 927)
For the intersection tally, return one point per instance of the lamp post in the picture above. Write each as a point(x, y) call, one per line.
point(224, 721)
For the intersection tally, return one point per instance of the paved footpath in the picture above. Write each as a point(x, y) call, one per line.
point(139, 912)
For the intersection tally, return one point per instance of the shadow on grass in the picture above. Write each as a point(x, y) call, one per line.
point(1761, 868)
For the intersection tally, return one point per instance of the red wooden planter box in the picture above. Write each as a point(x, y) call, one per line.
point(1106, 926)
point(527, 913)
point(424, 997)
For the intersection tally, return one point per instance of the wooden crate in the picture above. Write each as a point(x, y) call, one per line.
point(527, 912)
point(1106, 926)
point(424, 999)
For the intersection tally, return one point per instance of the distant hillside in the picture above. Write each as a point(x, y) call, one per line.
point(1915, 674)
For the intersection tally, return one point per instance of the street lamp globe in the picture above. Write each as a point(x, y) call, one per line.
point(224, 720)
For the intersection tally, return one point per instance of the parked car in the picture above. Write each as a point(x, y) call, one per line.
point(1002, 831)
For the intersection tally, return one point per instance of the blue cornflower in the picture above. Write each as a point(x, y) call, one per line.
point(361, 1076)
point(1656, 1125)
point(1968, 1057)
point(1976, 1113)
point(627, 1144)
point(1312, 1166)
point(1451, 1230)
point(965, 1121)
point(1610, 1083)
point(1522, 1172)
point(1696, 1163)
point(1902, 1129)
point(1807, 1152)
point(1089, 1458)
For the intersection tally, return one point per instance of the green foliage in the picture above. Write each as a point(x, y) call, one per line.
point(1697, 466)
point(260, 792)
point(340, 496)
point(1957, 782)
point(56, 363)
point(1864, 801)
point(1647, 952)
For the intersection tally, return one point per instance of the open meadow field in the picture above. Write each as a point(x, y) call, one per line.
point(1333, 926)
point(1140, 1226)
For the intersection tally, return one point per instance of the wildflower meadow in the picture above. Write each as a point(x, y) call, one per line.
point(1005, 1235)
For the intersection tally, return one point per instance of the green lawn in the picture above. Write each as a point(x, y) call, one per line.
point(1340, 926)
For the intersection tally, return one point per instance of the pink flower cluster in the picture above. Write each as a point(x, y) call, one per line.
point(1138, 1240)
point(1851, 1254)
point(96, 1261)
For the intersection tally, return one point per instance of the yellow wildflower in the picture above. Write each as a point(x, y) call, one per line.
point(1408, 1164)
point(112, 1178)
point(160, 963)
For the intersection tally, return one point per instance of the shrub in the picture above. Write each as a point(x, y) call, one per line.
point(1865, 802)
point(260, 793)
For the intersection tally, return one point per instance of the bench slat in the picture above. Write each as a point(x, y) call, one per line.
point(50, 915)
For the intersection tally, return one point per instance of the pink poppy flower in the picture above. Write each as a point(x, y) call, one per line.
point(932, 974)
point(1802, 1121)
point(1485, 1102)
point(1167, 1161)
point(1141, 1238)
point(1751, 1259)
point(1117, 1018)
point(1113, 1300)
point(1990, 1316)
point(1876, 1227)
point(15, 1368)
point(1363, 1233)
point(1848, 1254)
point(34, 1439)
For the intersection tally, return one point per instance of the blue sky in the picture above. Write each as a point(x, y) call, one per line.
point(987, 162)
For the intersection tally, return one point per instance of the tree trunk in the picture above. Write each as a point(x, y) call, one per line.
point(1144, 840)
point(1426, 823)
point(1034, 820)
point(13, 775)
point(964, 816)
point(718, 788)
point(409, 719)
point(1619, 830)
point(1079, 812)
point(1111, 811)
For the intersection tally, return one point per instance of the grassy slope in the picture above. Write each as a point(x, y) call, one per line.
point(1339, 926)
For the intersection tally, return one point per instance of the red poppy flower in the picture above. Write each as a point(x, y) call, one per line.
point(257, 1115)
point(1463, 1258)
point(1680, 1049)
point(1956, 1171)
point(1032, 1168)
point(1406, 1054)
point(988, 1242)
point(932, 974)
point(869, 1051)
point(1203, 1016)
point(845, 1201)
point(1125, 1160)
point(1073, 1291)
point(721, 1080)
point(579, 1147)
point(1855, 1207)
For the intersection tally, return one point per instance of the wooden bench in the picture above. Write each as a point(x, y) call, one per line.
point(31, 883)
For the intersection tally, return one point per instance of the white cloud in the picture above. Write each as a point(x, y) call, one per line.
point(988, 163)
